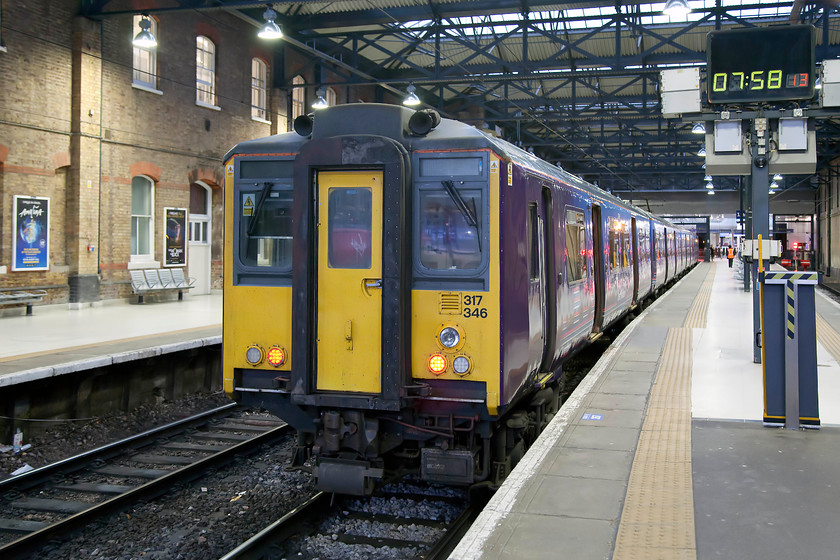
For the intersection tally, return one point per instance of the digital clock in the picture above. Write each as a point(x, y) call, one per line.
point(760, 64)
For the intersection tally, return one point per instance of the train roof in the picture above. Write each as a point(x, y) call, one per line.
point(283, 143)
point(380, 119)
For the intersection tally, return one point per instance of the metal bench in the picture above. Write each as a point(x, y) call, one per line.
point(153, 280)
point(24, 296)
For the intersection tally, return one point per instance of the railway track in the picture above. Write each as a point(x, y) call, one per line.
point(402, 521)
point(66, 496)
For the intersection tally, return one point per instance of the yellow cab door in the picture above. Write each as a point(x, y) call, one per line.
point(349, 281)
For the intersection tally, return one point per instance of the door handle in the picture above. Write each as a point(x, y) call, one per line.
point(369, 284)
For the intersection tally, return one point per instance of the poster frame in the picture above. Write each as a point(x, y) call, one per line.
point(181, 216)
point(43, 238)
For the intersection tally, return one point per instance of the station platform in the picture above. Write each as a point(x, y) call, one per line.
point(661, 452)
point(56, 340)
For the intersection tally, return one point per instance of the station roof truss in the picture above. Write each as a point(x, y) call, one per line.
point(577, 83)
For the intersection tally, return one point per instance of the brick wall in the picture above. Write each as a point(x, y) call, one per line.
point(72, 127)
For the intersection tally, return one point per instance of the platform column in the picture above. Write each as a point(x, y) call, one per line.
point(83, 190)
point(790, 349)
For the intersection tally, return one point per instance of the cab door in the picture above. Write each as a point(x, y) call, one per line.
point(349, 292)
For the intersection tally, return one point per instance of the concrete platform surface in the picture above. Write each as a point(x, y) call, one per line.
point(661, 453)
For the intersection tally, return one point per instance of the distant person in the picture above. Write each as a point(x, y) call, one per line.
point(713, 254)
point(730, 254)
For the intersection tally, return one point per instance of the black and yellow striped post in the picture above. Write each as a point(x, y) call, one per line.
point(790, 349)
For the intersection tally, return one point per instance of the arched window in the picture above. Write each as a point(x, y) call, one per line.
point(205, 71)
point(298, 97)
point(332, 97)
point(142, 219)
point(145, 59)
point(259, 77)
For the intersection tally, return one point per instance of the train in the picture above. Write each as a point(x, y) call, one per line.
point(403, 289)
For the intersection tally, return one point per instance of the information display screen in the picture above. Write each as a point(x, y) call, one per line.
point(760, 64)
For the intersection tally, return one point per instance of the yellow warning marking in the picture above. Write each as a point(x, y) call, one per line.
point(494, 167)
point(510, 174)
point(658, 516)
point(248, 205)
point(229, 171)
point(697, 315)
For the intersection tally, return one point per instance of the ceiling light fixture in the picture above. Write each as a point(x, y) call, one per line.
point(676, 8)
point(702, 152)
point(698, 128)
point(270, 30)
point(145, 39)
point(411, 99)
point(777, 177)
point(710, 186)
point(320, 100)
point(707, 178)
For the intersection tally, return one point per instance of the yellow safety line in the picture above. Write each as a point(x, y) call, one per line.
point(699, 311)
point(105, 342)
point(657, 521)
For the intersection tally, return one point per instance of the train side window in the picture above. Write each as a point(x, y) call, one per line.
point(625, 248)
point(447, 241)
point(575, 246)
point(615, 248)
point(266, 229)
point(533, 243)
point(350, 227)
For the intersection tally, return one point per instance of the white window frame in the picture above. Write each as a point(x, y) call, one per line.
point(144, 60)
point(205, 72)
point(298, 98)
point(2, 45)
point(199, 223)
point(331, 97)
point(259, 90)
point(145, 259)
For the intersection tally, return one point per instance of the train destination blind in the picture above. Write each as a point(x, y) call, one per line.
point(760, 64)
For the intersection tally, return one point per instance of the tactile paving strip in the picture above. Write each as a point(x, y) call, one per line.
point(657, 521)
point(696, 318)
point(828, 337)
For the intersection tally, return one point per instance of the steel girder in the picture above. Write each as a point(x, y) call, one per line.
point(586, 98)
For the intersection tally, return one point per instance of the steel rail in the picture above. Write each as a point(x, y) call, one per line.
point(280, 530)
point(25, 546)
point(76, 462)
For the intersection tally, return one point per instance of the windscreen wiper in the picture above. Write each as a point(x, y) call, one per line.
point(468, 213)
point(252, 224)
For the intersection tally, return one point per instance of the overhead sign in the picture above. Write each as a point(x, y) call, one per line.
point(760, 64)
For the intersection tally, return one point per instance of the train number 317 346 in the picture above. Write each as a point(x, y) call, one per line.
point(472, 309)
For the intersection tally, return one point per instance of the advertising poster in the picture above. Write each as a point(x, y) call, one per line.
point(31, 233)
point(175, 236)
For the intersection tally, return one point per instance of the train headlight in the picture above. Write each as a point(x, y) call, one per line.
point(254, 354)
point(437, 364)
point(461, 365)
point(276, 356)
point(449, 337)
